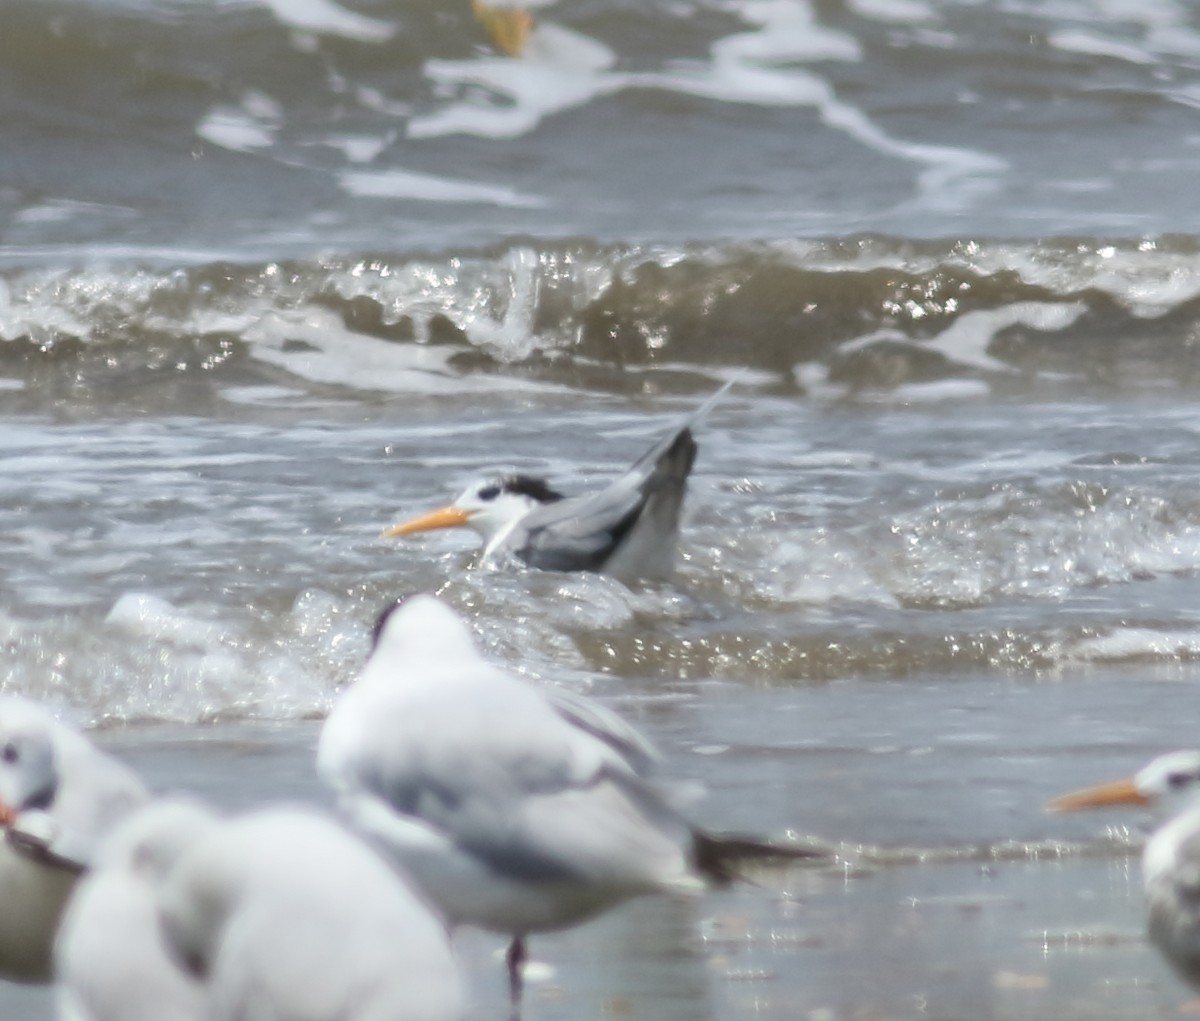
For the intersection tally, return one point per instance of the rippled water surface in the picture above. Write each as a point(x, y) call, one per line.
point(275, 274)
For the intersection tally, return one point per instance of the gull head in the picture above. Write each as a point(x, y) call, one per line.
point(28, 761)
point(490, 506)
point(419, 627)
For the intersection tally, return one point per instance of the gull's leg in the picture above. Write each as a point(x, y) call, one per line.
point(515, 958)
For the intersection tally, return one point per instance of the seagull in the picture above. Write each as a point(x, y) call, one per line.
point(1171, 857)
point(515, 809)
point(111, 958)
point(59, 795)
point(627, 530)
point(283, 914)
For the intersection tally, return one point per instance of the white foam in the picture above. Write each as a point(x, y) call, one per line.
point(559, 69)
point(507, 97)
point(264, 394)
point(513, 335)
point(329, 353)
point(757, 67)
point(896, 12)
point(359, 148)
point(251, 125)
point(147, 615)
point(1079, 41)
point(326, 18)
point(966, 339)
point(1165, 27)
point(940, 390)
point(405, 184)
point(789, 32)
point(1134, 643)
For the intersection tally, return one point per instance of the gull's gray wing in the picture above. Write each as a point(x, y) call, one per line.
point(602, 723)
point(1173, 900)
point(535, 789)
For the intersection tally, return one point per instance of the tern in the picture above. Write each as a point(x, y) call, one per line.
point(59, 795)
point(516, 809)
point(283, 914)
point(112, 961)
point(1171, 857)
point(627, 530)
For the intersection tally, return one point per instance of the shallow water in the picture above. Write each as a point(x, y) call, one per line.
point(952, 895)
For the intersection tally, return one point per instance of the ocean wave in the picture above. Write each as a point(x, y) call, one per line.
point(864, 315)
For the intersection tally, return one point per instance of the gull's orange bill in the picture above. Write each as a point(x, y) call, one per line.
point(1117, 792)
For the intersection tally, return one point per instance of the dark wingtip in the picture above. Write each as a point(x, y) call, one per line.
point(681, 454)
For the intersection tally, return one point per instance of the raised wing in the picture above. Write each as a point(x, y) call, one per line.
point(585, 533)
point(627, 529)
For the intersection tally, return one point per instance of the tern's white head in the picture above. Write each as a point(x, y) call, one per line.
point(1171, 783)
point(490, 506)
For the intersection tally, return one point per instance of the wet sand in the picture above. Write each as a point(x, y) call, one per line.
point(954, 895)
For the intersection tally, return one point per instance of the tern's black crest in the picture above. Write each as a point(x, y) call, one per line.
point(535, 488)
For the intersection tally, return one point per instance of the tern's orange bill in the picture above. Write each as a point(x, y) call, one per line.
point(445, 517)
point(1118, 792)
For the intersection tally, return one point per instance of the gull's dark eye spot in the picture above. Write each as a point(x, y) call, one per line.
point(9, 753)
point(1176, 781)
point(488, 493)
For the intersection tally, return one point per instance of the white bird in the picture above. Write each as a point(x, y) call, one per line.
point(516, 810)
point(284, 915)
point(627, 530)
point(1171, 857)
point(59, 795)
point(112, 960)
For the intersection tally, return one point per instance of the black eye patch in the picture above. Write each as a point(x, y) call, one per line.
point(10, 753)
point(1177, 780)
point(488, 493)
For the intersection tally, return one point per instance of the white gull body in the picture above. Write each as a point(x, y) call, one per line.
point(112, 958)
point(284, 915)
point(515, 810)
point(59, 796)
point(1171, 857)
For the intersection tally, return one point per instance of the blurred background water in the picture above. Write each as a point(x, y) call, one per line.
point(275, 272)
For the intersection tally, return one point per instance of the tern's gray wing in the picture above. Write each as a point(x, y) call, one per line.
point(627, 529)
point(585, 533)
